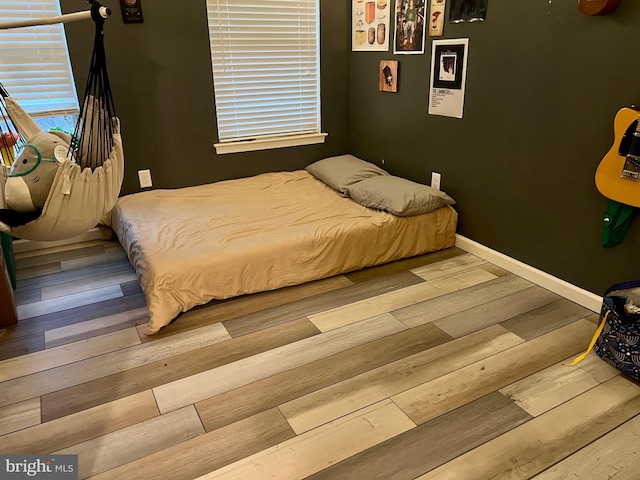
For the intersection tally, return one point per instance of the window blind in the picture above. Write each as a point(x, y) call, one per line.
point(265, 57)
point(34, 61)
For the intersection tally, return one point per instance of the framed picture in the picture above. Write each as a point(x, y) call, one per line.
point(388, 76)
point(436, 18)
point(131, 11)
point(468, 11)
point(410, 26)
point(370, 25)
point(448, 77)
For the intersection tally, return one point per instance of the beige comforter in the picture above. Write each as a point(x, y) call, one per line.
point(191, 245)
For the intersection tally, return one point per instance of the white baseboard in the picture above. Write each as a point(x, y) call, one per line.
point(567, 290)
point(29, 245)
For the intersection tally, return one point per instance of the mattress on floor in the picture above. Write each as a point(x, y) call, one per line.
point(192, 245)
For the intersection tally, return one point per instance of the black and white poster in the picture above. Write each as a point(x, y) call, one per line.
point(448, 77)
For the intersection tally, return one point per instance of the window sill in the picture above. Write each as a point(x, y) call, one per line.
point(267, 143)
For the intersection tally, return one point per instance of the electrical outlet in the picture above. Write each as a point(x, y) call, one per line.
point(145, 178)
point(436, 178)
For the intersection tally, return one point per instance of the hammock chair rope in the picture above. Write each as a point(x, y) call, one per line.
point(94, 129)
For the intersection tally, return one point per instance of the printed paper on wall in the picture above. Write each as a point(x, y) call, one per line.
point(448, 77)
point(468, 11)
point(370, 25)
point(436, 18)
point(409, 26)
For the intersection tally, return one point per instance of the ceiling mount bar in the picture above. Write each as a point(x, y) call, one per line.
point(104, 12)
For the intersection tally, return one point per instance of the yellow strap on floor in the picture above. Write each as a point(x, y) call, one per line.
point(579, 358)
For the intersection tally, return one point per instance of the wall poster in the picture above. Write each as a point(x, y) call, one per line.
point(131, 11)
point(448, 77)
point(409, 26)
point(468, 11)
point(436, 18)
point(370, 25)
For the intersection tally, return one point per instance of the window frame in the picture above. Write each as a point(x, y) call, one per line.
point(254, 142)
point(42, 38)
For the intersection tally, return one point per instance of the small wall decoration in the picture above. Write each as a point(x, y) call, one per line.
point(596, 7)
point(131, 11)
point(370, 25)
point(410, 26)
point(468, 11)
point(436, 18)
point(448, 77)
point(388, 76)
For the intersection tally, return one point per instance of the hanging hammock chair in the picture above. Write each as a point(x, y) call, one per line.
point(89, 176)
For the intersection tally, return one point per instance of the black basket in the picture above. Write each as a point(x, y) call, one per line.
point(618, 343)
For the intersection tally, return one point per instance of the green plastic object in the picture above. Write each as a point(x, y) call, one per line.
point(616, 222)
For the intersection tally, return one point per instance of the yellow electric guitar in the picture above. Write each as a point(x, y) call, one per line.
point(618, 175)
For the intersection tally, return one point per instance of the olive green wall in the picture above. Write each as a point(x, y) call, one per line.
point(163, 89)
point(544, 83)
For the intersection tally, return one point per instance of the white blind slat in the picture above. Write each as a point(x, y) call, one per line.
point(34, 61)
point(266, 67)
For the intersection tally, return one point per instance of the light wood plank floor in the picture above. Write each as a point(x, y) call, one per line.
point(438, 366)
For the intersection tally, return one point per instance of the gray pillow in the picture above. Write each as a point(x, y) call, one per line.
point(399, 196)
point(343, 171)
